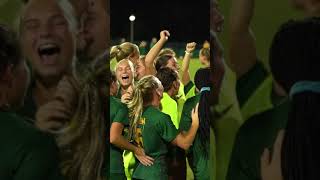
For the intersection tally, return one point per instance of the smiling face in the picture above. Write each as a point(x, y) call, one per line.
point(124, 73)
point(96, 28)
point(46, 39)
point(140, 69)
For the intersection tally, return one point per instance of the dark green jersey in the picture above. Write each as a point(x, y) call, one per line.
point(199, 163)
point(26, 153)
point(118, 113)
point(256, 133)
point(254, 91)
point(155, 131)
point(29, 109)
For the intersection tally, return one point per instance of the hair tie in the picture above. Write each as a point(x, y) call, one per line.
point(205, 89)
point(304, 86)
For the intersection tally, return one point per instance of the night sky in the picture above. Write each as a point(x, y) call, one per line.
point(185, 19)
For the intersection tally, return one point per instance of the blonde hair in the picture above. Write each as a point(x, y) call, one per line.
point(142, 95)
point(167, 51)
point(205, 52)
point(82, 142)
point(123, 51)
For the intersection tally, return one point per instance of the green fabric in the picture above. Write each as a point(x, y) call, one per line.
point(29, 109)
point(170, 107)
point(116, 176)
point(249, 82)
point(254, 90)
point(213, 158)
point(227, 121)
point(118, 113)
point(155, 131)
point(26, 153)
point(257, 133)
point(196, 156)
point(190, 90)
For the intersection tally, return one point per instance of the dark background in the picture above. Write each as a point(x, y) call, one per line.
point(186, 20)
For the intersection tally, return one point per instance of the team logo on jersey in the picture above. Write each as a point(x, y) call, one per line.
point(138, 138)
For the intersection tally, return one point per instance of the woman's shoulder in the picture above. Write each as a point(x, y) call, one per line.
point(20, 128)
point(155, 113)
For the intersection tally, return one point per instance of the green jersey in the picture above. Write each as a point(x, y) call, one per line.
point(155, 131)
point(227, 121)
point(189, 90)
point(29, 109)
point(199, 163)
point(256, 133)
point(118, 113)
point(254, 91)
point(26, 153)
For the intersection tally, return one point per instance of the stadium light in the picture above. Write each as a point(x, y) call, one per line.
point(132, 18)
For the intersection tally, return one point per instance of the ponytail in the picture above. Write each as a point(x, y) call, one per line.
point(135, 111)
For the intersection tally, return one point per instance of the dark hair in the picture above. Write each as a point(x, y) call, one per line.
point(167, 76)
point(294, 57)
point(113, 77)
point(162, 61)
point(10, 53)
point(201, 80)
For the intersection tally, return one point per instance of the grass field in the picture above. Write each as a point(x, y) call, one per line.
point(194, 66)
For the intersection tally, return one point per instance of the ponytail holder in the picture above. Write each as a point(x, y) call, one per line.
point(304, 86)
point(204, 89)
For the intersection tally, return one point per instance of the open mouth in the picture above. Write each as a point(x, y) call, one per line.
point(48, 53)
point(125, 77)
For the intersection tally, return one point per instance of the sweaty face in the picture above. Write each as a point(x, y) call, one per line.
point(216, 18)
point(159, 95)
point(203, 59)
point(124, 74)
point(96, 28)
point(46, 39)
point(140, 70)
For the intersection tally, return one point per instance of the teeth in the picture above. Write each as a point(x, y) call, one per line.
point(47, 46)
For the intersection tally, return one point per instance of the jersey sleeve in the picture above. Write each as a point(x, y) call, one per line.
point(249, 82)
point(166, 129)
point(122, 115)
point(186, 120)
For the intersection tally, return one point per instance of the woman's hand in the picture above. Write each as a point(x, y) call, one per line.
point(191, 47)
point(142, 157)
point(271, 166)
point(195, 116)
point(164, 35)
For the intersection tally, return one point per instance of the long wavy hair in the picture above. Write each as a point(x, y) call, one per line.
point(142, 95)
point(81, 142)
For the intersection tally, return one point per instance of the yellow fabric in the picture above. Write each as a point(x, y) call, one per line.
point(170, 107)
point(225, 128)
point(191, 92)
point(181, 100)
point(129, 162)
point(260, 100)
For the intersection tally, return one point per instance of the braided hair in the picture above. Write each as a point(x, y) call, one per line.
point(294, 57)
point(202, 81)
